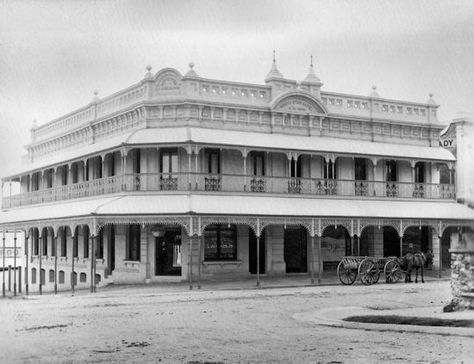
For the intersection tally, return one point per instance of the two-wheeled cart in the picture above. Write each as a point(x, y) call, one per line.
point(368, 269)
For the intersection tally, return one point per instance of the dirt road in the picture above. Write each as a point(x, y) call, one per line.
point(150, 324)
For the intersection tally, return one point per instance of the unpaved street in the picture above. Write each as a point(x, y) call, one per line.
point(152, 324)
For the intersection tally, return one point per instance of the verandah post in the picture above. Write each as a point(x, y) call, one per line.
point(312, 258)
point(190, 263)
point(3, 265)
point(40, 238)
point(26, 270)
point(56, 263)
point(258, 259)
point(14, 263)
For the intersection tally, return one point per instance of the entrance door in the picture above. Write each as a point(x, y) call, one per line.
point(295, 250)
point(445, 254)
point(168, 254)
point(253, 252)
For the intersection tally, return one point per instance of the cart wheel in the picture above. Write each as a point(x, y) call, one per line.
point(346, 273)
point(392, 272)
point(368, 272)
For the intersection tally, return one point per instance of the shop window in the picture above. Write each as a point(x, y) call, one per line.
point(133, 243)
point(43, 276)
point(220, 242)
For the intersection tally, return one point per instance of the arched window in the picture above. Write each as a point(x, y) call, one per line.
point(61, 277)
point(43, 276)
point(420, 172)
point(51, 276)
point(97, 278)
point(83, 278)
point(74, 278)
point(33, 275)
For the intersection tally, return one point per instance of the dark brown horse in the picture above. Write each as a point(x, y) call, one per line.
point(415, 261)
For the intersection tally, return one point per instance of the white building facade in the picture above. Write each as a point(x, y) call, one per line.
point(179, 177)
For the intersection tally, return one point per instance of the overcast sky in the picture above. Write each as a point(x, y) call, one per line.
point(54, 54)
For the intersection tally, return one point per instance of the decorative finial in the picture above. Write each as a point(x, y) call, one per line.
point(191, 65)
point(274, 60)
point(374, 87)
point(148, 68)
point(311, 64)
point(431, 95)
point(96, 93)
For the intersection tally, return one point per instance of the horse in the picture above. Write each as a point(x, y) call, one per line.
point(416, 261)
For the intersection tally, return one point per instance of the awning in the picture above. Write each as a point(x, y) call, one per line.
point(233, 138)
point(206, 204)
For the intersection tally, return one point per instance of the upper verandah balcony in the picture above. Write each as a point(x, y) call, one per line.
point(169, 85)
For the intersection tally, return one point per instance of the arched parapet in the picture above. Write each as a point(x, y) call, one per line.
point(297, 102)
point(167, 81)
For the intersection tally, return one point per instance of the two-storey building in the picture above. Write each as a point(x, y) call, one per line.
point(182, 177)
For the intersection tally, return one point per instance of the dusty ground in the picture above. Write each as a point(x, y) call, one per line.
point(173, 325)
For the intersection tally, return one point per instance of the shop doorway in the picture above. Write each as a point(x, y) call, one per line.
point(168, 253)
point(295, 250)
point(253, 252)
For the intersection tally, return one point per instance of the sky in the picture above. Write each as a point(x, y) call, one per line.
point(55, 54)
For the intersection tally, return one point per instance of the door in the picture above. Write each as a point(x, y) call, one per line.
point(253, 252)
point(168, 254)
point(295, 250)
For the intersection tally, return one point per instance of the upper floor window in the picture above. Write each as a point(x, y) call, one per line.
point(213, 161)
point(360, 169)
point(85, 242)
point(330, 169)
point(258, 160)
point(64, 243)
point(420, 172)
point(220, 242)
point(136, 161)
point(169, 162)
point(391, 171)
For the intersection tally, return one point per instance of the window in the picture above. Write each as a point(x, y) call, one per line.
point(51, 276)
point(169, 162)
point(99, 253)
point(258, 164)
point(360, 169)
point(35, 242)
point(136, 161)
point(112, 165)
point(133, 243)
point(220, 242)
point(330, 169)
point(43, 276)
point(75, 246)
point(64, 243)
point(83, 278)
point(53, 246)
point(391, 167)
point(213, 161)
point(85, 232)
point(445, 175)
point(33, 276)
point(61, 277)
point(44, 246)
point(74, 278)
point(420, 172)
point(75, 173)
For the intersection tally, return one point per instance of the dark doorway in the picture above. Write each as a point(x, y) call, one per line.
point(295, 250)
point(391, 242)
point(111, 248)
point(253, 252)
point(168, 254)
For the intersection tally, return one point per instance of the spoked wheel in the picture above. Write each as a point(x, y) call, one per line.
point(393, 272)
point(368, 272)
point(346, 272)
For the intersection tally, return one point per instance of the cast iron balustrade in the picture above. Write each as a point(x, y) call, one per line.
point(169, 183)
point(294, 185)
point(213, 183)
point(361, 188)
point(257, 185)
point(281, 185)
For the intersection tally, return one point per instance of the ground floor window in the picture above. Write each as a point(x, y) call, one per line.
point(220, 242)
point(133, 243)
